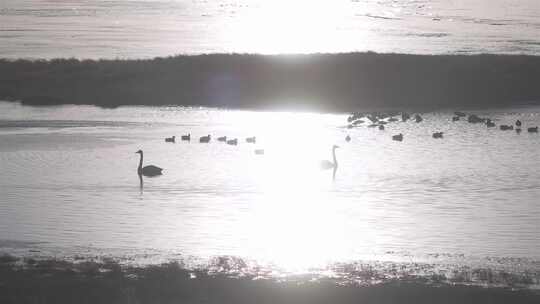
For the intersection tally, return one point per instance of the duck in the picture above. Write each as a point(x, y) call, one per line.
point(251, 140)
point(381, 127)
point(455, 118)
point(186, 137)
point(532, 130)
point(438, 135)
point(490, 124)
point(518, 123)
point(222, 138)
point(506, 127)
point(232, 142)
point(418, 118)
point(170, 139)
point(398, 137)
point(149, 170)
point(259, 151)
point(347, 138)
point(205, 139)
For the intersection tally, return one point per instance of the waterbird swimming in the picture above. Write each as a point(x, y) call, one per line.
point(222, 138)
point(251, 140)
point(532, 130)
point(232, 142)
point(455, 118)
point(518, 123)
point(170, 139)
point(506, 127)
point(381, 127)
point(347, 138)
point(438, 135)
point(259, 151)
point(149, 170)
point(326, 164)
point(398, 137)
point(205, 139)
point(186, 137)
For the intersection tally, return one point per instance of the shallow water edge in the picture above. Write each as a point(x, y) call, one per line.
point(107, 281)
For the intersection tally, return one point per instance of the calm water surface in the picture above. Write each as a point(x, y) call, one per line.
point(149, 28)
point(70, 187)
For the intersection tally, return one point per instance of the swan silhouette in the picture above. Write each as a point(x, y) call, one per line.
point(326, 164)
point(149, 170)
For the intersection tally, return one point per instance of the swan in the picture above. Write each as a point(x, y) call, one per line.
point(205, 139)
point(170, 139)
point(186, 137)
point(149, 170)
point(326, 164)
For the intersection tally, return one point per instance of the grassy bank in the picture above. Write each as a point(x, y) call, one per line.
point(326, 82)
point(57, 281)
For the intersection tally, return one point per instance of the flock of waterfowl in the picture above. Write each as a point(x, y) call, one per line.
point(152, 170)
point(378, 120)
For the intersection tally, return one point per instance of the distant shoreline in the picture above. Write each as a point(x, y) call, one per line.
point(315, 82)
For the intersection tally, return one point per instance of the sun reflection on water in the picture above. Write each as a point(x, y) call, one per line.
point(294, 223)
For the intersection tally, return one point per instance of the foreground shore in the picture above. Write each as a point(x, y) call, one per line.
point(320, 82)
point(58, 281)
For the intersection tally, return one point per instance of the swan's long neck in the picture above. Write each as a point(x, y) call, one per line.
point(139, 169)
point(334, 154)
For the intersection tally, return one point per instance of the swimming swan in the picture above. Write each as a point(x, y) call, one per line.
point(326, 164)
point(149, 170)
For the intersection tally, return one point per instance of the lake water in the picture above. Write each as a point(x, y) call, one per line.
point(69, 186)
point(149, 28)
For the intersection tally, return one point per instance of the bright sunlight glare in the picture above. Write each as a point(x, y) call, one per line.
point(296, 26)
